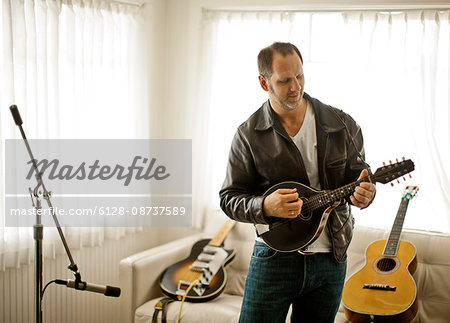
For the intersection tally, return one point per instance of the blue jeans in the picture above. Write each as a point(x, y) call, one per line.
point(311, 283)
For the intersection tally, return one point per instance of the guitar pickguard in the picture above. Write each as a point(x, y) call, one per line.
point(216, 257)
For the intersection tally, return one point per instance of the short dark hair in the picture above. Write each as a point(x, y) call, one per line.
point(265, 56)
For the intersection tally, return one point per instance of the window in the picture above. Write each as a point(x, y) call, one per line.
point(389, 70)
point(74, 69)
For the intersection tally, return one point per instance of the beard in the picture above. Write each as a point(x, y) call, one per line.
point(284, 102)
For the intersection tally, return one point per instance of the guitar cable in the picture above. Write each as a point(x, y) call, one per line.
point(184, 298)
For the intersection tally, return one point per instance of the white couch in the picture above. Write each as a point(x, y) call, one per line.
point(139, 275)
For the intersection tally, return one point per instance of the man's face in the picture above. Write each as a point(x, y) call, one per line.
point(286, 85)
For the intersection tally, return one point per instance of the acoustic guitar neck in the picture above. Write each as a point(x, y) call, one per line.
point(391, 247)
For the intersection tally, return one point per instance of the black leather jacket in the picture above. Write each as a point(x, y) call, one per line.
point(262, 154)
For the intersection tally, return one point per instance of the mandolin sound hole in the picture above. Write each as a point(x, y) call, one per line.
point(306, 212)
point(386, 264)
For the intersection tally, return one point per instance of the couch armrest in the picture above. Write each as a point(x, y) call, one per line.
point(139, 273)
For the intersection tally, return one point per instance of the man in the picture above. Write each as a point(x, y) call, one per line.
point(293, 137)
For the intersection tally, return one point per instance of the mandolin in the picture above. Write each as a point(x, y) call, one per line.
point(384, 289)
point(201, 274)
point(288, 235)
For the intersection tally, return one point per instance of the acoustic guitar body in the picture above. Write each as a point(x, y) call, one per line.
point(182, 271)
point(384, 289)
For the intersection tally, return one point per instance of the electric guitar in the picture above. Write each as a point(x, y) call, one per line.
point(384, 289)
point(288, 235)
point(201, 276)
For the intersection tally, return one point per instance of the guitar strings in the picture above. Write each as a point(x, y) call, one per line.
point(336, 194)
point(324, 199)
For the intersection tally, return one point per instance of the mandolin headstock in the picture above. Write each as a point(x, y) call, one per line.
point(388, 173)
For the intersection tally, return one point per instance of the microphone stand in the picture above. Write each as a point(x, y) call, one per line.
point(38, 228)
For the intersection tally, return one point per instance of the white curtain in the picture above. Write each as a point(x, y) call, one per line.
point(76, 70)
point(389, 70)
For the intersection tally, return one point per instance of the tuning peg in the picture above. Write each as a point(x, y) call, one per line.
point(403, 158)
point(384, 164)
point(396, 159)
point(410, 176)
point(390, 161)
point(398, 182)
point(392, 184)
point(404, 179)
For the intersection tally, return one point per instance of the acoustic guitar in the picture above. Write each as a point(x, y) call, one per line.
point(288, 235)
point(202, 274)
point(384, 289)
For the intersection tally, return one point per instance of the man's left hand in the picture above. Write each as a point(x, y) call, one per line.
point(364, 193)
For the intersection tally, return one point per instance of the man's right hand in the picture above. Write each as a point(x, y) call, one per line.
point(283, 203)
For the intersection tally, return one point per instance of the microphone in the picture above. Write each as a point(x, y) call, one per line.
point(105, 290)
point(16, 115)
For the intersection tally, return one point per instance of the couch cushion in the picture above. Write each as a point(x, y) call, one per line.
point(241, 238)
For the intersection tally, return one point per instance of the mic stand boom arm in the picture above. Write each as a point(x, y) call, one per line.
point(38, 227)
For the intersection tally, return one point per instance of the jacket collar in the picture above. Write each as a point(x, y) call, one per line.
point(325, 117)
point(266, 118)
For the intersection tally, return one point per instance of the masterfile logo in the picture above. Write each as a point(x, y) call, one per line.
point(97, 171)
point(159, 166)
